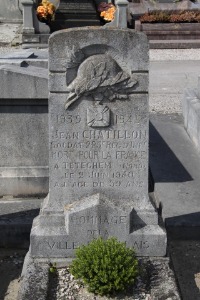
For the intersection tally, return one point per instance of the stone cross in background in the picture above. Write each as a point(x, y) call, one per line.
point(98, 129)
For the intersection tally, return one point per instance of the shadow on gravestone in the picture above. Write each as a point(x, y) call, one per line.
point(98, 128)
point(184, 227)
point(165, 164)
point(15, 228)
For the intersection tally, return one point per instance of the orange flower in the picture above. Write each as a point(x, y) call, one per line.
point(41, 11)
point(46, 10)
point(50, 11)
point(108, 14)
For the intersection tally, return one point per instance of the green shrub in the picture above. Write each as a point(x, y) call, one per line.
point(105, 266)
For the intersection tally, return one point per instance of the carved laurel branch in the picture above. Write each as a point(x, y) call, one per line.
point(101, 80)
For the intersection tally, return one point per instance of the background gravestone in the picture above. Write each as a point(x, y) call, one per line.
point(75, 13)
point(98, 126)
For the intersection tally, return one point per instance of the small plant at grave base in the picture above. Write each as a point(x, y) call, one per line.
point(52, 268)
point(107, 11)
point(105, 266)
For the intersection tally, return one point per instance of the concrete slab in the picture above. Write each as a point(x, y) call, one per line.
point(35, 78)
point(16, 220)
point(185, 257)
point(10, 34)
point(175, 167)
point(42, 63)
point(20, 57)
point(19, 54)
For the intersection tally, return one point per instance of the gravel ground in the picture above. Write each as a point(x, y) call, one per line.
point(156, 280)
point(170, 104)
point(11, 262)
point(174, 54)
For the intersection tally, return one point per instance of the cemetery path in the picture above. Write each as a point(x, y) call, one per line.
point(11, 262)
point(185, 257)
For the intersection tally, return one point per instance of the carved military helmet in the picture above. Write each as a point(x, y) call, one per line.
point(95, 72)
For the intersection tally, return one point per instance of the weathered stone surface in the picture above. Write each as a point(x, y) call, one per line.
point(191, 114)
point(16, 217)
point(62, 52)
point(35, 78)
point(24, 146)
point(24, 181)
point(26, 57)
point(57, 82)
point(86, 160)
point(22, 63)
point(98, 120)
point(11, 13)
point(24, 123)
point(19, 54)
point(120, 16)
point(34, 280)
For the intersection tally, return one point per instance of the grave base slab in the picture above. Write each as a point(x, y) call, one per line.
point(60, 234)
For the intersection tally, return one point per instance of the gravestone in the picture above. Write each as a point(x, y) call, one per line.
point(75, 13)
point(98, 129)
point(69, 13)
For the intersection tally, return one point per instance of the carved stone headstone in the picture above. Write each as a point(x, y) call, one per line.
point(98, 125)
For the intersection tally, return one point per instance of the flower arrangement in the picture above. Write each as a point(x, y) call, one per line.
point(171, 17)
point(107, 11)
point(46, 11)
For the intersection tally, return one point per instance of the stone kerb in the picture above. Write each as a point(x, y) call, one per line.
point(191, 114)
point(98, 128)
